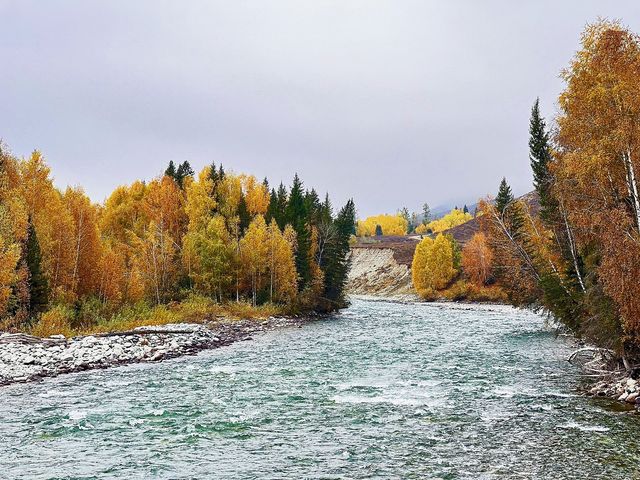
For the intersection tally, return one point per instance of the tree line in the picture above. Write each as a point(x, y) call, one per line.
point(225, 236)
point(577, 253)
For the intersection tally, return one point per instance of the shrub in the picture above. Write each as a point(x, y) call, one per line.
point(56, 321)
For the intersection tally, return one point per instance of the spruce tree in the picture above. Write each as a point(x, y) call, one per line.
point(312, 205)
point(184, 170)
point(213, 173)
point(504, 197)
point(38, 285)
point(338, 259)
point(272, 209)
point(326, 210)
point(171, 170)
point(281, 206)
point(426, 214)
point(296, 215)
point(540, 159)
point(465, 209)
point(378, 231)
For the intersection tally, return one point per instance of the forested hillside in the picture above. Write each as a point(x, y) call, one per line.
point(574, 251)
point(215, 238)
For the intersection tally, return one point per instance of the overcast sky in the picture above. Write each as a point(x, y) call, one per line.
point(393, 103)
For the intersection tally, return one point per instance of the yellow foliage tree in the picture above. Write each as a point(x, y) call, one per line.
point(86, 246)
point(9, 256)
point(254, 254)
point(283, 276)
point(452, 219)
point(390, 225)
point(208, 254)
point(199, 200)
point(53, 223)
point(432, 268)
point(256, 195)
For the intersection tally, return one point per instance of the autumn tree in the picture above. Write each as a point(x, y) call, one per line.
point(452, 219)
point(283, 277)
point(390, 225)
point(432, 268)
point(254, 254)
point(477, 259)
point(597, 162)
point(208, 253)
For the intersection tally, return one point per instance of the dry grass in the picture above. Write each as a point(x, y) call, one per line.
point(467, 291)
point(194, 309)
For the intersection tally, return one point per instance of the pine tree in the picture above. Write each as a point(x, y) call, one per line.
point(38, 285)
point(171, 170)
point(540, 158)
point(465, 209)
point(281, 206)
point(326, 210)
point(426, 214)
point(296, 215)
point(272, 210)
point(312, 205)
point(338, 260)
point(504, 197)
point(184, 170)
point(378, 231)
point(213, 173)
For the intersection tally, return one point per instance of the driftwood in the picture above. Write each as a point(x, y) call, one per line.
point(25, 339)
point(155, 331)
point(603, 353)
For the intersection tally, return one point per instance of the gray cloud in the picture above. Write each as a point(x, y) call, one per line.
point(394, 103)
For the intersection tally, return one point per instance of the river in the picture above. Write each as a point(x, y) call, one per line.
point(382, 390)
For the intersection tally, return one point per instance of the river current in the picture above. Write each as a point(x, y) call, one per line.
point(382, 390)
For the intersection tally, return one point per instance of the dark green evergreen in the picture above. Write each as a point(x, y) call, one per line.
point(426, 214)
point(38, 285)
point(213, 173)
point(281, 206)
point(312, 205)
point(504, 197)
point(540, 159)
point(338, 259)
point(171, 170)
point(296, 215)
point(465, 209)
point(272, 209)
point(378, 231)
point(184, 170)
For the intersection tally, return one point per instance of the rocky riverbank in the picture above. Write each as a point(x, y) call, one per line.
point(24, 358)
point(625, 389)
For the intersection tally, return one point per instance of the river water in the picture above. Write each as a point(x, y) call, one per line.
point(382, 390)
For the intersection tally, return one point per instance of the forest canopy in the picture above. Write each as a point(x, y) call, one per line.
point(219, 235)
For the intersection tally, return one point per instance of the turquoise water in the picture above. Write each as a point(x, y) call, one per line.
point(382, 390)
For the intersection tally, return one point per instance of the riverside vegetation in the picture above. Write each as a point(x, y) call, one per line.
point(571, 248)
point(178, 248)
point(574, 252)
